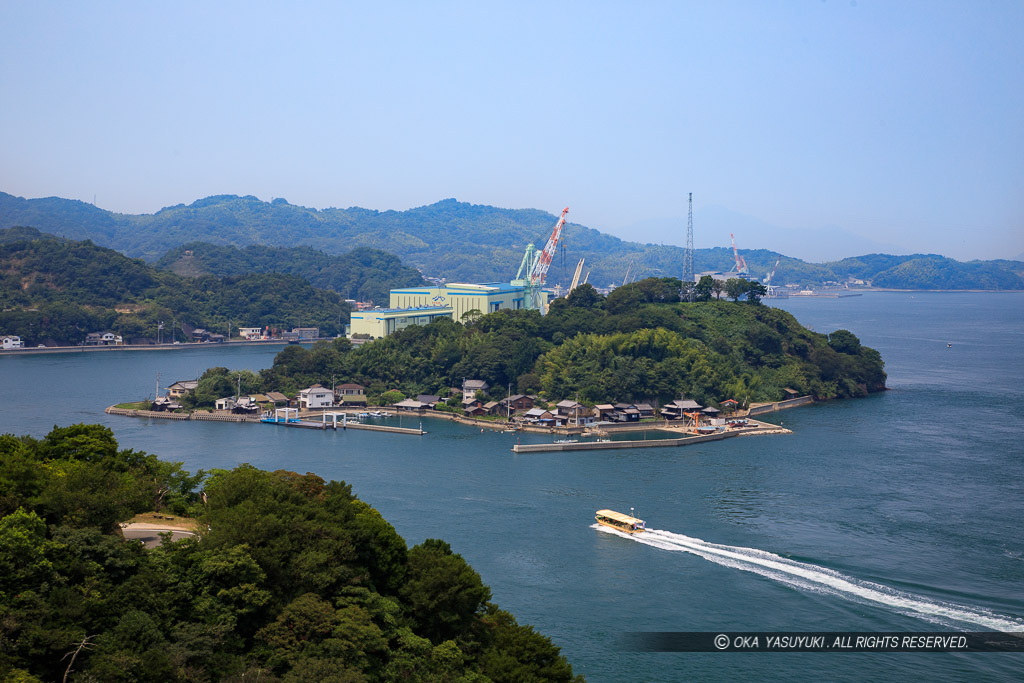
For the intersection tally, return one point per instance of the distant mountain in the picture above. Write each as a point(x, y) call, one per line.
point(713, 225)
point(460, 241)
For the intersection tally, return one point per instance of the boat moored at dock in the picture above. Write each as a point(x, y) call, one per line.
point(617, 520)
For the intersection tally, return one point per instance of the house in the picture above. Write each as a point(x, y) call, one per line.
point(164, 403)
point(103, 339)
point(198, 334)
point(226, 403)
point(306, 332)
point(410, 405)
point(790, 393)
point(519, 402)
point(646, 409)
point(12, 342)
point(476, 410)
point(675, 409)
point(250, 333)
point(491, 407)
point(539, 416)
point(470, 403)
point(625, 413)
point(430, 400)
point(730, 405)
point(471, 386)
point(246, 406)
point(571, 409)
point(603, 410)
point(350, 394)
point(315, 397)
point(179, 389)
point(278, 399)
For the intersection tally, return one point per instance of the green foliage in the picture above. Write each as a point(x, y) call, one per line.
point(364, 274)
point(295, 580)
point(640, 343)
point(56, 291)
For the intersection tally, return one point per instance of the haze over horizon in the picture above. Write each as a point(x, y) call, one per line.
point(838, 128)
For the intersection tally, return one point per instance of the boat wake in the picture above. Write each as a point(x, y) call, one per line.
point(822, 580)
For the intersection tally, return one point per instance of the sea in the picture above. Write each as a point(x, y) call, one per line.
point(903, 511)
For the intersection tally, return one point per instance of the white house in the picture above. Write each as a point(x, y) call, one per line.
point(471, 386)
point(315, 397)
point(250, 332)
point(13, 342)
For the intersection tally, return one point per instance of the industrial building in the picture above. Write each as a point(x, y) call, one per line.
point(462, 298)
point(382, 322)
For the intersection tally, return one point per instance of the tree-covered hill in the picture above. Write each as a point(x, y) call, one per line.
point(57, 291)
point(451, 239)
point(363, 274)
point(639, 343)
point(290, 578)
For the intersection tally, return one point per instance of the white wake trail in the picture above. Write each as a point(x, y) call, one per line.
point(820, 579)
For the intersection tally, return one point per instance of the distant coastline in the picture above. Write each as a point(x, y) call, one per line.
point(147, 347)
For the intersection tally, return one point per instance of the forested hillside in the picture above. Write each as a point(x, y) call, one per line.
point(363, 274)
point(290, 578)
point(56, 291)
point(639, 343)
point(466, 242)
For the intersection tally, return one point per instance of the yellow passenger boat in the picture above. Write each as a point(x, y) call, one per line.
point(617, 520)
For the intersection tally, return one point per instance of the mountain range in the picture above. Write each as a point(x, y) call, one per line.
point(468, 242)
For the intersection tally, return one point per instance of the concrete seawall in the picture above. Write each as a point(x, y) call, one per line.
point(606, 445)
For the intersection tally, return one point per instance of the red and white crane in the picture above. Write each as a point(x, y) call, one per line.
point(540, 268)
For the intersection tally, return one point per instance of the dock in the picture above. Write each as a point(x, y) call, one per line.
point(334, 424)
point(689, 439)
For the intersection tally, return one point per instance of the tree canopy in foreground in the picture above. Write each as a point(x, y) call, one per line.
point(292, 579)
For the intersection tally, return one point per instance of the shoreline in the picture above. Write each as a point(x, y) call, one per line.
point(152, 347)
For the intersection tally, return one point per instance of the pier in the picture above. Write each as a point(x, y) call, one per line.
point(277, 420)
point(758, 428)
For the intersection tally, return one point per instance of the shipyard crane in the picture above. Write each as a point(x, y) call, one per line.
point(741, 263)
point(768, 278)
point(535, 266)
point(576, 277)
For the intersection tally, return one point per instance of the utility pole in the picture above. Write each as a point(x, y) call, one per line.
point(688, 254)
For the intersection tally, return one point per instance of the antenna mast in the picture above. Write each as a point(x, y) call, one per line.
point(688, 254)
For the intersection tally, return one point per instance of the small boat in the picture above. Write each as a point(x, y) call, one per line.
point(619, 521)
point(567, 440)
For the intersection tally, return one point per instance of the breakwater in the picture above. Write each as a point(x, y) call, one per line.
point(300, 424)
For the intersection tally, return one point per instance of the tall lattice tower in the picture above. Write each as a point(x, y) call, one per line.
point(688, 255)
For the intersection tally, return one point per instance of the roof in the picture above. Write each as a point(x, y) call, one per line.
point(514, 398)
point(260, 398)
point(187, 383)
point(350, 385)
point(604, 406)
point(730, 400)
point(644, 406)
point(568, 404)
point(474, 383)
point(490, 404)
point(536, 412)
point(313, 389)
point(276, 396)
point(711, 409)
point(428, 398)
point(619, 517)
point(409, 403)
point(689, 403)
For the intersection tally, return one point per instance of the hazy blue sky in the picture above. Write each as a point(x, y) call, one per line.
point(885, 122)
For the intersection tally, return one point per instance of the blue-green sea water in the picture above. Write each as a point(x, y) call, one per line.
point(899, 512)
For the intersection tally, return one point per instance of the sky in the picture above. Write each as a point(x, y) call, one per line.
point(830, 126)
